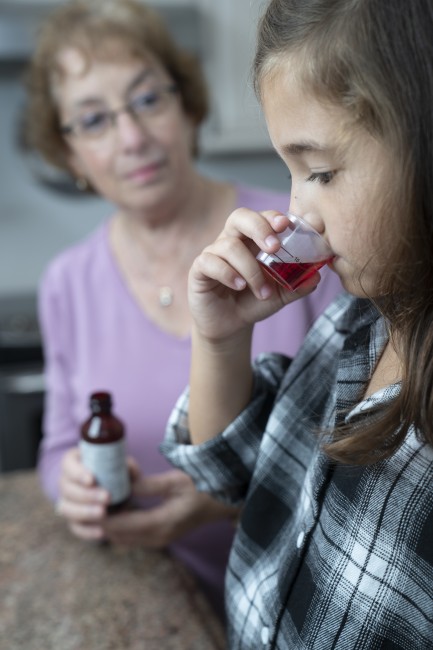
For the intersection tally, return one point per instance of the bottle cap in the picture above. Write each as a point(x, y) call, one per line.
point(100, 401)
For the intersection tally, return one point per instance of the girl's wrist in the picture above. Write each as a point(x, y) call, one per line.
point(224, 346)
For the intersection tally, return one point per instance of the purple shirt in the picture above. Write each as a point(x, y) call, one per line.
point(96, 337)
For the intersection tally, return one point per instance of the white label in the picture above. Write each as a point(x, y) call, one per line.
point(108, 465)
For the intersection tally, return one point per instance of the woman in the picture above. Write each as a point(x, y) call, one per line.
point(114, 102)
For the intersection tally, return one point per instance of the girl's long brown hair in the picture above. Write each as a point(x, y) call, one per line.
point(375, 58)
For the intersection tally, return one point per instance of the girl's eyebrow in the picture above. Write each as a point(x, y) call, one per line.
point(298, 148)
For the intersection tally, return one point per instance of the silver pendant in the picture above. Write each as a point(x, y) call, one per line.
point(165, 296)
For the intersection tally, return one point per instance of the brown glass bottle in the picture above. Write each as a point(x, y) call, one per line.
point(102, 448)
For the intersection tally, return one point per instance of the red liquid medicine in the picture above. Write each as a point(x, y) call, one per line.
point(292, 274)
point(303, 251)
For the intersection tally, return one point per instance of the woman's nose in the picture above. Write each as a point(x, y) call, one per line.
point(131, 133)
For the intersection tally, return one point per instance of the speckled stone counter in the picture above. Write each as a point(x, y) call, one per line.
point(59, 593)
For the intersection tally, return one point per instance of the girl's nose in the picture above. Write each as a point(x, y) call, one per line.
point(295, 205)
point(311, 216)
point(314, 220)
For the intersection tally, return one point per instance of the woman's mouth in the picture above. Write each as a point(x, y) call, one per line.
point(144, 173)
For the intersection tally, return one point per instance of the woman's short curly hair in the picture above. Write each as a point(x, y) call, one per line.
point(102, 29)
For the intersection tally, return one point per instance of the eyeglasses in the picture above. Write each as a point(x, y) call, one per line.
point(142, 107)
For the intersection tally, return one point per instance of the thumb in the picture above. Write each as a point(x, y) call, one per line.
point(161, 484)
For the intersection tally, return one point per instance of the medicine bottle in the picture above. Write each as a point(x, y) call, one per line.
point(102, 449)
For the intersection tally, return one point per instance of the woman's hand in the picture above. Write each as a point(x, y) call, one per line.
point(181, 509)
point(228, 290)
point(81, 502)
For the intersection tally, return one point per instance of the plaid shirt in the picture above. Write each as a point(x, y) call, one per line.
point(326, 556)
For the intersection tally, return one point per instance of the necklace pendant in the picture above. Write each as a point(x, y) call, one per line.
point(165, 296)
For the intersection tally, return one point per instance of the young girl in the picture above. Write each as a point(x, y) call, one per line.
point(331, 455)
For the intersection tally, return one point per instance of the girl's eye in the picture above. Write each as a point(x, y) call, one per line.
point(322, 177)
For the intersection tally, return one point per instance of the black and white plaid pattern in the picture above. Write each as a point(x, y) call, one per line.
point(326, 556)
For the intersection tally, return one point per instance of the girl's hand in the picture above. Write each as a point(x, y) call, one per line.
point(228, 289)
point(181, 508)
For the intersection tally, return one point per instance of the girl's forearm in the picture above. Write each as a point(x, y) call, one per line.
point(221, 383)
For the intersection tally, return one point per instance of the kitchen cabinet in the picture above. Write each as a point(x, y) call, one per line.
point(222, 33)
point(236, 123)
point(227, 46)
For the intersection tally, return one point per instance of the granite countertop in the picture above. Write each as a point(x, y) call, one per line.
point(57, 592)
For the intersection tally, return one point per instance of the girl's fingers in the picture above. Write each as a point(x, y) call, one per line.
point(230, 262)
point(231, 259)
point(259, 227)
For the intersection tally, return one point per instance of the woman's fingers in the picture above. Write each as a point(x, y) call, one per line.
point(73, 469)
point(76, 493)
point(75, 486)
point(87, 532)
point(81, 502)
point(80, 512)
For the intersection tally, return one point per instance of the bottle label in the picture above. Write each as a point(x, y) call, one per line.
point(108, 465)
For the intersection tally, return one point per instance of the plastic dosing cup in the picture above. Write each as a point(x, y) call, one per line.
point(303, 251)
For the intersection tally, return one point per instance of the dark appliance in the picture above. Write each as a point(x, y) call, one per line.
point(21, 383)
